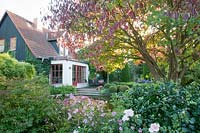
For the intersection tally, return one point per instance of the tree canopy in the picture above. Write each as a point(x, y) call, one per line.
point(163, 34)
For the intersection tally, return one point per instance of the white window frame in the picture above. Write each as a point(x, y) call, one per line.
point(2, 45)
point(13, 48)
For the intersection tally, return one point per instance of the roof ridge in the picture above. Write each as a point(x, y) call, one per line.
point(32, 23)
point(9, 12)
point(34, 38)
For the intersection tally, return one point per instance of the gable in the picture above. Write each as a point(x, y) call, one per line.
point(34, 39)
point(8, 31)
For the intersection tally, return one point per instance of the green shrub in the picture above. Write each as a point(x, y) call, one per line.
point(41, 66)
point(107, 85)
point(192, 75)
point(125, 74)
point(116, 87)
point(175, 108)
point(113, 88)
point(10, 68)
point(123, 88)
point(129, 84)
point(63, 90)
point(105, 92)
point(108, 89)
point(26, 106)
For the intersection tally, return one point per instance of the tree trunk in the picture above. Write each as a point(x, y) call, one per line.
point(152, 65)
point(108, 77)
point(173, 64)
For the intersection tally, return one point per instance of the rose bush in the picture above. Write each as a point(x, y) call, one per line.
point(174, 107)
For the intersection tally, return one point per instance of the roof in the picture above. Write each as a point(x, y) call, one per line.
point(68, 59)
point(34, 38)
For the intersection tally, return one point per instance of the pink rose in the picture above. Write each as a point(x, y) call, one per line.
point(154, 128)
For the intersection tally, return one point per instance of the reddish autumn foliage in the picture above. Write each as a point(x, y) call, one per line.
point(164, 34)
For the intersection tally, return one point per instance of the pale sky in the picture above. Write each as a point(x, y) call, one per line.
point(29, 9)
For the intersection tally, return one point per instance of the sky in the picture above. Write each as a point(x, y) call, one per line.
point(29, 9)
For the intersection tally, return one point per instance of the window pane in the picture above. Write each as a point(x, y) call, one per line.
point(13, 43)
point(79, 74)
point(2, 41)
point(56, 74)
point(53, 67)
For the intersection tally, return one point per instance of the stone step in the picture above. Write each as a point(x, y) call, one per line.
point(88, 91)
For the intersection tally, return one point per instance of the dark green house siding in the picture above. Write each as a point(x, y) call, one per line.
point(8, 30)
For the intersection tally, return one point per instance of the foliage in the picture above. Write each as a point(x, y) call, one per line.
point(123, 88)
point(92, 72)
point(41, 66)
point(131, 72)
point(87, 115)
point(115, 87)
point(174, 107)
point(12, 69)
point(192, 75)
point(163, 34)
point(26, 106)
point(62, 90)
point(125, 74)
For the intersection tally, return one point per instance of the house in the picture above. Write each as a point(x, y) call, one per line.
point(24, 39)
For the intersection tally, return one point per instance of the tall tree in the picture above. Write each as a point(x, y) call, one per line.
point(125, 74)
point(163, 34)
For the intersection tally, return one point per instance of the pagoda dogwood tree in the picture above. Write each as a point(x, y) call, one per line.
point(162, 33)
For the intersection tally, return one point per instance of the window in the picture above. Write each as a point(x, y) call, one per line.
point(79, 74)
point(56, 73)
point(13, 42)
point(2, 45)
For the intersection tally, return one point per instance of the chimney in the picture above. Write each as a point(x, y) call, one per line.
point(35, 22)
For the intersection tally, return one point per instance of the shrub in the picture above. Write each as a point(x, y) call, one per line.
point(113, 89)
point(41, 66)
point(105, 92)
point(63, 90)
point(108, 89)
point(89, 115)
point(123, 88)
point(107, 85)
point(175, 108)
point(26, 106)
point(10, 68)
point(125, 74)
point(116, 87)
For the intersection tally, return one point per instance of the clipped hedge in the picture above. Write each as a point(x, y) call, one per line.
point(10, 68)
point(122, 88)
point(115, 87)
point(63, 90)
point(175, 108)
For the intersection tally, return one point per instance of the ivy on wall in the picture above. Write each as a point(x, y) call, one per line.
point(41, 66)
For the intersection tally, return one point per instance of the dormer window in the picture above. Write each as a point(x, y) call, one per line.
point(2, 45)
point(13, 42)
